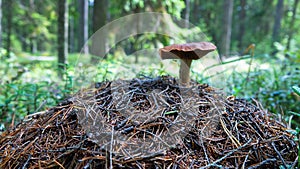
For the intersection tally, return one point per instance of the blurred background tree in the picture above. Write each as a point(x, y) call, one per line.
point(31, 25)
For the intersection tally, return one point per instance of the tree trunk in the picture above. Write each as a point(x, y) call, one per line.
point(62, 40)
point(277, 23)
point(137, 44)
point(33, 45)
point(83, 26)
point(195, 12)
point(242, 17)
point(0, 23)
point(24, 44)
point(292, 29)
point(9, 26)
point(265, 25)
point(226, 35)
point(71, 34)
point(99, 19)
point(187, 13)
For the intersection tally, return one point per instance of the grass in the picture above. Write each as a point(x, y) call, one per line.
point(273, 83)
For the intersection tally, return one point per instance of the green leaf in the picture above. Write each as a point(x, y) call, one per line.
point(171, 112)
point(294, 113)
point(293, 132)
point(296, 89)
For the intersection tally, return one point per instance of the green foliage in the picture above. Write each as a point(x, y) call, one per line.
point(35, 22)
point(33, 25)
point(19, 99)
point(173, 7)
point(24, 92)
point(153, 71)
point(296, 89)
point(272, 87)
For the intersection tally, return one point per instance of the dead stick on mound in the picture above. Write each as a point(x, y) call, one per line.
point(246, 158)
point(58, 164)
point(259, 165)
point(234, 140)
point(111, 148)
point(225, 156)
point(35, 114)
point(231, 136)
point(284, 163)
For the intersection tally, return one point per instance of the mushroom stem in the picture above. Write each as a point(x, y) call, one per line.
point(186, 53)
point(184, 71)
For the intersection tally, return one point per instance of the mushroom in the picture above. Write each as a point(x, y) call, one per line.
point(186, 53)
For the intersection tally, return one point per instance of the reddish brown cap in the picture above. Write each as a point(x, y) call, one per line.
point(195, 50)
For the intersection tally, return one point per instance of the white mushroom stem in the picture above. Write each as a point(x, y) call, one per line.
point(184, 71)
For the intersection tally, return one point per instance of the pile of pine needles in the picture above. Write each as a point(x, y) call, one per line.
point(149, 123)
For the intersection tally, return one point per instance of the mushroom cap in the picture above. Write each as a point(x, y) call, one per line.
point(193, 51)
